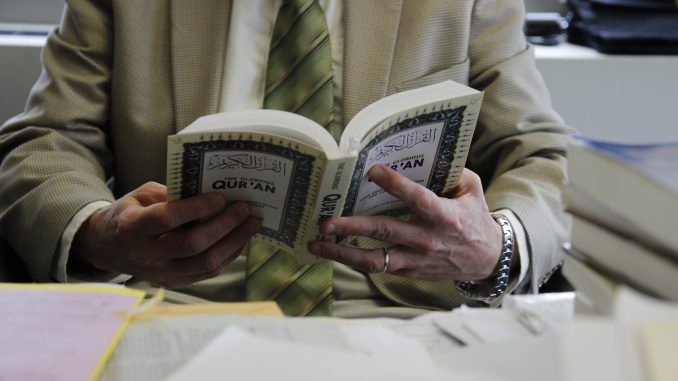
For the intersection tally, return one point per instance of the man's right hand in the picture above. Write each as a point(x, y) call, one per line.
point(168, 243)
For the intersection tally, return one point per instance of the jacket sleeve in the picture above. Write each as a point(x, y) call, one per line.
point(519, 143)
point(54, 157)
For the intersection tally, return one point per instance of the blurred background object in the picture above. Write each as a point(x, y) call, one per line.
point(625, 26)
point(23, 27)
point(545, 28)
point(548, 6)
point(30, 11)
point(545, 21)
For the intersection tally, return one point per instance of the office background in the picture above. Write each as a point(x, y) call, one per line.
point(620, 98)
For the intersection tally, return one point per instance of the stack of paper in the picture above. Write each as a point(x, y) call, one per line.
point(204, 347)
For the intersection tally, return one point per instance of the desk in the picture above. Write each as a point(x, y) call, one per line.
point(577, 348)
point(152, 349)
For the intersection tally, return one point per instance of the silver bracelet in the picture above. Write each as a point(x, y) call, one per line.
point(501, 279)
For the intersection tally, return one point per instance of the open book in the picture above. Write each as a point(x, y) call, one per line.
point(294, 175)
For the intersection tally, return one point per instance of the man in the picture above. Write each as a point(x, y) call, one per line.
point(119, 76)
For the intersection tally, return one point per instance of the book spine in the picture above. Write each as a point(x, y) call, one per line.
point(174, 167)
point(463, 144)
point(330, 199)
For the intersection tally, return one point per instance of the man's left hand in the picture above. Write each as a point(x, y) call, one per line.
point(446, 238)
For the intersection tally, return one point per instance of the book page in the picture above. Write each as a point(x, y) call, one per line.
point(428, 145)
point(277, 177)
point(60, 332)
point(405, 152)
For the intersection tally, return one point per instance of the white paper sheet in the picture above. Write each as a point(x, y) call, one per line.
point(236, 354)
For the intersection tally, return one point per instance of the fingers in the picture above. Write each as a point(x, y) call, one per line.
point(209, 263)
point(402, 260)
point(198, 238)
point(415, 196)
point(368, 261)
point(163, 217)
point(383, 228)
point(222, 252)
point(150, 193)
point(469, 183)
point(421, 200)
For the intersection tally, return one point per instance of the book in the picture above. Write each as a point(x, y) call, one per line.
point(294, 175)
point(61, 331)
point(631, 189)
point(595, 289)
point(627, 261)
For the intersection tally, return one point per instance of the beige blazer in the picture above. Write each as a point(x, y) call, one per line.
point(119, 76)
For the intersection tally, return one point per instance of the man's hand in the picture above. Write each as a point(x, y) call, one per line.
point(453, 238)
point(168, 243)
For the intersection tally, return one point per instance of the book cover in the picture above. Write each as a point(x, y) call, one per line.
point(294, 175)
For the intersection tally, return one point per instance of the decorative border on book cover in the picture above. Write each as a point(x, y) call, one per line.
point(295, 200)
point(444, 157)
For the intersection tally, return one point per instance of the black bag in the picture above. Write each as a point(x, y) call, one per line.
point(625, 26)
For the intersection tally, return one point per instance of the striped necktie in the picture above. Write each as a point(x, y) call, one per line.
point(299, 80)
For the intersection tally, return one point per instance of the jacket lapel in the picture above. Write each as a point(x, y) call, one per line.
point(370, 34)
point(199, 35)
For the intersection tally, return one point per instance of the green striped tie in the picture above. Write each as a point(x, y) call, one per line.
point(299, 80)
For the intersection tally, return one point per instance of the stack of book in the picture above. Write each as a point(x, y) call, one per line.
point(624, 202)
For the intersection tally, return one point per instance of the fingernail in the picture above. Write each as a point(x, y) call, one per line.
point(220, 199)
point(376, 172)
point(244, 209)
point(329, 229)
point(254, 224)
point(314, 248)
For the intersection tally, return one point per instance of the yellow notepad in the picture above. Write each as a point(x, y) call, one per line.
point(263, 308)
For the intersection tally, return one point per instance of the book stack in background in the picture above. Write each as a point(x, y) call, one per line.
point(624, 203)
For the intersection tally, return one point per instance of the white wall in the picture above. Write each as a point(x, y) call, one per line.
point(19, 50)
point(30, 11)
point(631, 99)
point(20, 63)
